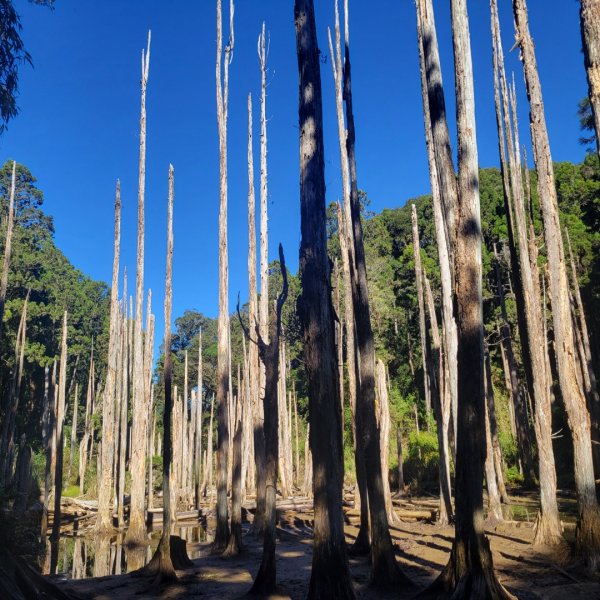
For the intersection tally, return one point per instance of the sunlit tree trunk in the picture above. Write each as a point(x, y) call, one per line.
point(590, 36)
point(137, 520)
point(330, 575)
point(587, 538)
point(104, 520)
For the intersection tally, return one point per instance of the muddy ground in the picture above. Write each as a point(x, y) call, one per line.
point(422, 550)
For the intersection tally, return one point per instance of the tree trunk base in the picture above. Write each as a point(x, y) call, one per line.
point(234, 545)
point(587, 538)
point(386, 574)
point(469, 575)
point(548, 534)
point(19, 581)
point(361, 545)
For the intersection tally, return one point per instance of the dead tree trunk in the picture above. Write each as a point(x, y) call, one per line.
point(587, 536)
point(137, 526)
point(385, 572)
point(361, 545)
point(590, 35)
point(10, 222)
point(104, 519)
point(60, 418)
point(587, 364)
point(400, 461)
point(198, 441)
point(469, 572)
point(445, 514)
point(124, 405)
point(443, 187)
point(330, 576)
point(223, 374)
point(234, 546)
point(425, 359)
point(161, 564)
point(266, 578)
point(532, 326)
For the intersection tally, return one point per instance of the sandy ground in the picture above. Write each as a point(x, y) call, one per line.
point(422, 551)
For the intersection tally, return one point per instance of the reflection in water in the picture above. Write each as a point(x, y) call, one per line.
point(80, 557)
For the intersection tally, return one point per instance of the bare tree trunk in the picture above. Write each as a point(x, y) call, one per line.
point(445, 514)
point(532, 323)
point(104, 520)
point(587, 538)
point(330, 576)
point(493, 424)
point(234, 546)
point(47, 436)
point(361, 544)
point(469, 572)
point(124, 405)
point(494, 502)
point(73, 430)
point(385, 572)
point(298, 485)
point(400, 461)
point(443, 185)
point(161, 563)
point(590, 36)
point(60, 417)
point(425, 359)
point(223, 374)
point(270, 355)
point(384, 428)
point(587, 364)
point(10, 222)
point(198, 428)
point(137, 527)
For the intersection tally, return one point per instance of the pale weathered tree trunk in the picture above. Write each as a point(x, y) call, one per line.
point(137, 521)
point(265, 581)
point(60, 418)
point(531, 323)
point(161, 563)
point(10, 222)
point(104, 519)
point(361, 544)
point(443, 185)
point(223, 372)
point(330, 576)
point(73, 429)
point(469, 572)
point(385, 572)
point(425, 359)
point(587, 536)
point(124, 406)
point(385, 425)
point(591, 386)
point(442, 418)
point(198, 428)
point(590, 35)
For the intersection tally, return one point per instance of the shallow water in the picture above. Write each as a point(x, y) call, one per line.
point(82, 556)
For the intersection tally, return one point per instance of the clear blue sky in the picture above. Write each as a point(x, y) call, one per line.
point(78, 127)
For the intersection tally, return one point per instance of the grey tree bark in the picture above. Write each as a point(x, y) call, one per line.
point(590, 35)
point(587, 537)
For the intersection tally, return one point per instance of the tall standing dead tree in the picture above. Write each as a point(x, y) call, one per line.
point(137, 521)
point(266, 578)
point(161, 563)
point(587, 537)
point(223, 371)
point(590, 35)
point(104, 520)
point(330, 575)
point(470, 571)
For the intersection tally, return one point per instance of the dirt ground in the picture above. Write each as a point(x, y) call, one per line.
point(422, 551)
